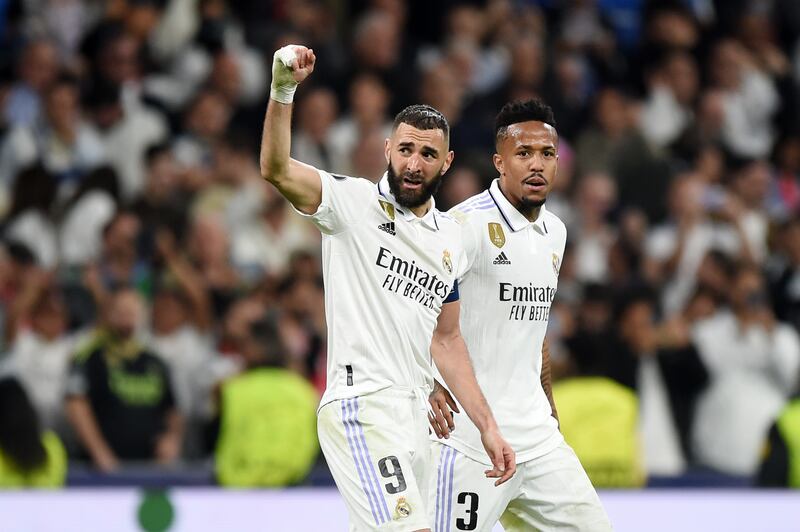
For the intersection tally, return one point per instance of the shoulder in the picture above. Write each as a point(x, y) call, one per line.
point(472, 209)
point(88, 347)
point(359, 184)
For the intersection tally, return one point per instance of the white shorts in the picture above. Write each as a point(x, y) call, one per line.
point(551, 492)
point(378, 450)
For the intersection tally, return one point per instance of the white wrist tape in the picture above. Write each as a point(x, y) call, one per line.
point(283, 83)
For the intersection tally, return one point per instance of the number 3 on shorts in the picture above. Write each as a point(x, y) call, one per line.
point(395, 473)
point(472, 511)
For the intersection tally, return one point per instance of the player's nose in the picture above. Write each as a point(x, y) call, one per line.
point(414, 163)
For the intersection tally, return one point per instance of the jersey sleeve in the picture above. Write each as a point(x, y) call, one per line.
point(470, 246)
point(344, 202)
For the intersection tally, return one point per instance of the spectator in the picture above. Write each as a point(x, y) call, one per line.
point(126, 132)
point(30, 219)
point(668, 111)
point(678, 247)
point(599, 419)
point(66, 146)
point(29, 457)
point(164, 201)
point(312, 140)
point(85, 215)
point(120, 264)
point(779, 462)
point(661, 364)
point(267, 418)
point(749, 100)
point(368, 114)
point(593, 236)
point(40, 347)
point(205, 122)
point(120, 399)
point(753, 361)
point(38, 69)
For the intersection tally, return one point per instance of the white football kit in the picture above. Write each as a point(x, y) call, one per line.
point(506, 287)
point(387, 274)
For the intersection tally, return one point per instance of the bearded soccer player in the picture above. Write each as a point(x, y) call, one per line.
point(513, 247)
point(389, 262)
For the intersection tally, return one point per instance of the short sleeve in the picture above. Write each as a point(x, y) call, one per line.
point(78, 378)
point(469, 249)
point(345, 201)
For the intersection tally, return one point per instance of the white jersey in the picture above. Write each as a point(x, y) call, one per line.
point(506, 287)
point(387, 273)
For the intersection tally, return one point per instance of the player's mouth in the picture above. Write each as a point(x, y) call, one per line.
point(535, 184)
point(412, 183)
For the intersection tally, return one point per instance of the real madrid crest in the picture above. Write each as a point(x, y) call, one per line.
point(403, 509)
point(496, 234)
point(447, 262)
point(388, 208)
point(556, 264)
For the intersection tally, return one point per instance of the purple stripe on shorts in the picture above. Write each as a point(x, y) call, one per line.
point(450, 491)
point(351, 441)
point(442, 488)
point(371, 470)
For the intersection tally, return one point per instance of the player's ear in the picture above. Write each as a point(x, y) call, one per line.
point(387, 149)
point(448, 160)
point(498, 163)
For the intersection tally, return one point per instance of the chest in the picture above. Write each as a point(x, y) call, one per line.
point(525, 256)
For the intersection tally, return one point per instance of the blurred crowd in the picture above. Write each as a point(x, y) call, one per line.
point(145, 265)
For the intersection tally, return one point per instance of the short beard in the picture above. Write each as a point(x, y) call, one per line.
point(527, 206)
point(410, 199)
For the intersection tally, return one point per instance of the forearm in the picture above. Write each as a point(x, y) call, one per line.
point(175, 425)
point(195, 289)
point(276, 142)
point(452, 360)
point(82, 419)
point(546, 380)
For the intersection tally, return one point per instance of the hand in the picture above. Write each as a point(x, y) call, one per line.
point(106, 461)
point(501, 454)
point(290, 66)
point(168, 448)
point(673, 333)
point(165, 243)
point(441, 415)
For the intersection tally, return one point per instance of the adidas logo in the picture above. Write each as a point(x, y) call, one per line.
point(501, 259)
point(388, 228)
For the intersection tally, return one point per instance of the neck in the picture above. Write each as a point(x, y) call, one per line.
point(531, 213)
point(422, 210)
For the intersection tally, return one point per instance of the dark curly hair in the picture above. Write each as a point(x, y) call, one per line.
point(521, 111)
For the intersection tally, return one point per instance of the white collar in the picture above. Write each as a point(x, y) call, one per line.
point(429, 219)
point(515, 220)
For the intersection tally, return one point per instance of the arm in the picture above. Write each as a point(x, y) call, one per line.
point(34, 283)
point(190, 282)
point(298, 182)
point(546, 380)
point(83, 421)
point(168, 447)
point(450, 354)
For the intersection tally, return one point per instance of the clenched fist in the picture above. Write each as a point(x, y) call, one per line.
point(290, 66)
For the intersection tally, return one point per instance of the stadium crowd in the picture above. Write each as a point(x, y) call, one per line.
point(145, 267)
